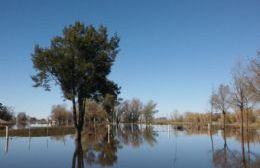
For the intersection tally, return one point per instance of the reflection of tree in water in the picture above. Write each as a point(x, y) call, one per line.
point(131, 134)
point(251, 136)
point(150, 135)
point(100, 143)
point(107, 151)
point(99, 146)
point(233, 158)
point(256, 161)
point(226, 157)
point(77, 159)
point(198, 130)
point(60, 138)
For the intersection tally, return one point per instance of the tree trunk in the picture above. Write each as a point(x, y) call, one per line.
point(242, 121)
point(78, 118)
point(225, 153)
point(210, 120)
point(74, 113)
point(247, 136)
point(78, 135)
point(248, 149)
point(211, 114)
point(212, 143)
point(243, 150)
point(242, 135)
point(81, 115)
point(247, 121)
point(77, 160)
point(224, 133)
point(224, 120)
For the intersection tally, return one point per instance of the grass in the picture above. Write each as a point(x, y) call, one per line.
point(38, 131)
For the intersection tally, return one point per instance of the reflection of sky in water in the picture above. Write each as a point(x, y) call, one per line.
point(138, 147)
point(37, 152)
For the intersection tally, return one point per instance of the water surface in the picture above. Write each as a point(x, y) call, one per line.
point(132, 146)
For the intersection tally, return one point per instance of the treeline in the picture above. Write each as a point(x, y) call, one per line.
point(205, 118)
point(128, 111)
point(7, 114)
point(235, 103)
point(241, 97)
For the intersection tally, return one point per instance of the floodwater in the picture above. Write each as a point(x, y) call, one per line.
point(134, 146)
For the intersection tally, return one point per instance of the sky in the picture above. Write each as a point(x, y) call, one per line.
point(171, 51)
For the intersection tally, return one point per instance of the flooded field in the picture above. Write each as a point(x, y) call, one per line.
point(132, 146)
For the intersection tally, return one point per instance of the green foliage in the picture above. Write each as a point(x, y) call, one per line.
point(6, 113)
point(109, 102)
point(79, 61)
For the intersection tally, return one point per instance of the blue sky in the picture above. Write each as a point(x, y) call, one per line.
point(172, 51)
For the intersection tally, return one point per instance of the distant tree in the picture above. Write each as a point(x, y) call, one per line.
point(132, 110)
point(33, 120)
point(21, 118)
point(60, 114)
point(149, 110)
point(135, 110)
point(243, 94)
point(191, 117)
point(79, 62)
point(124, 109)
point(118, 111)
point(176, 117)
point(6, 113)
point(221, 100)
point(198, 118)
point(212, 99)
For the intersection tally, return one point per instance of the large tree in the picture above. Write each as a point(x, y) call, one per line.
point(79, 61)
